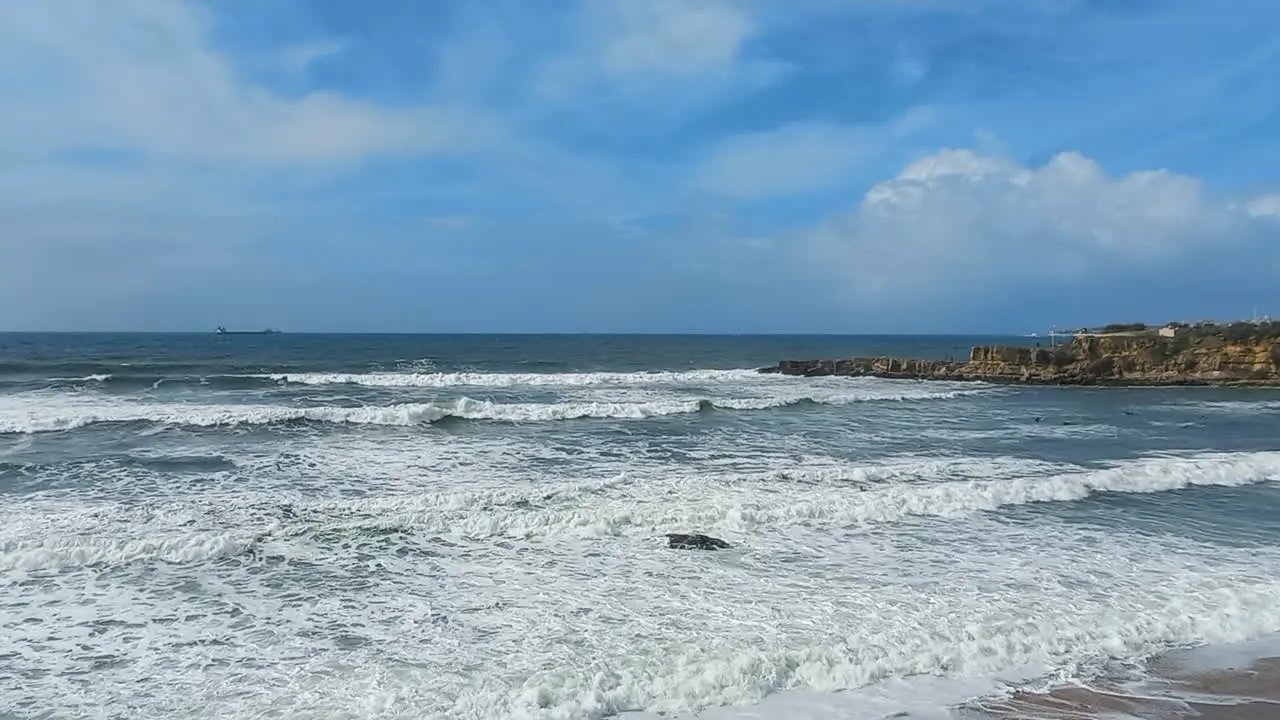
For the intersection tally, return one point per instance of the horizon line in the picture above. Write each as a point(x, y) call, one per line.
point(528, 333)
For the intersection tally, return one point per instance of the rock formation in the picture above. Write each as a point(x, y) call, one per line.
point(1200, 356)
point(695, 541)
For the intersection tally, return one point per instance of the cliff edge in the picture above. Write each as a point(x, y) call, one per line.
point(1204, 355)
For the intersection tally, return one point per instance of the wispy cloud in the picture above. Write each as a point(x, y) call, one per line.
point(143, 75)
point(791, 160)
point(670, 36)
point(1267, 206)
point(298, 58)
point(797, 158)
point(667, 56)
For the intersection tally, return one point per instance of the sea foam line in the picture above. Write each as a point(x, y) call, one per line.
point(741, 508)
point(61, 553)
point(26, 414)
point(480, 379)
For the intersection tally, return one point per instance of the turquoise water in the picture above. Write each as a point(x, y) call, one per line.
point(470, 527)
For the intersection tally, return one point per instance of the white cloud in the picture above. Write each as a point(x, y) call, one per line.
point(673, 36)
point(908, 71)
point(954, 221)
point(142, 74)
point(791, 160)
point(299, 57)
point(796, 158)
point(1267, 206)
point(635, 47)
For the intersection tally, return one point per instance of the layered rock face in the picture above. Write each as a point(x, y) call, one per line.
point(1087, 360)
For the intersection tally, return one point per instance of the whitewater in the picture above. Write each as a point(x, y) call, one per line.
point(474, 527)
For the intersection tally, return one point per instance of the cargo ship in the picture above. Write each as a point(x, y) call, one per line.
point(223, 331)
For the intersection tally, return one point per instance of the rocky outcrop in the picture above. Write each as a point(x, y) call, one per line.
point(695, 541)
point(1086, 360)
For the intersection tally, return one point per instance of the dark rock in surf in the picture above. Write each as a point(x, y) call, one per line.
point(695, 541)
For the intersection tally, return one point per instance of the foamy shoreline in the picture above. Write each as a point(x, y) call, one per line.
point(1215, 682)
point(1182, 685)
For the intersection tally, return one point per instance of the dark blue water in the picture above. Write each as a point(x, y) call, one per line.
point(471, 526)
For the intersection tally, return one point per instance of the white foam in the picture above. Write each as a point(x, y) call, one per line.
point(1022, 430)
point(32, 413)
point(96, 377)
point(56, 553)
point(593, 630)
point(457, 487)
point(523, 575)
point(745, 380)
point(50, 412)
point(738, 505)
point(643, 504)
point(1260, 400)
point(921, 697)
point(1240, 406)
point(477, 379)
point(1214, 658)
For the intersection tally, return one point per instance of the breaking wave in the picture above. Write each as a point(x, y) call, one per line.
point(744, 507)
point(477, 379)
point(50, 413)
point(744, 504)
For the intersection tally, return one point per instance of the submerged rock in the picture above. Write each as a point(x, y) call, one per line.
point(695, 541)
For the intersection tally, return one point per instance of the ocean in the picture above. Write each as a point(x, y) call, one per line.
point(473, 527)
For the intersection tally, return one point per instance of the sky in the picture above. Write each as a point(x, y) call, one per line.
point(719, 166)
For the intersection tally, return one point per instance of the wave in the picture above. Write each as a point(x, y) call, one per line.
point(177, 463)
point(60, 553)
point(641, 506)
point(72, 369)
point(744, 508)
point(1238, 407)
point(477, 379)
point(740, 389)
point(745, 504)
point(43, 413)
point(130, 381)
point(97, 377)
point(135, 377)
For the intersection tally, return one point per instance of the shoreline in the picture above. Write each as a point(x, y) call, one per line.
point(1232, 681)
point(1178, 687)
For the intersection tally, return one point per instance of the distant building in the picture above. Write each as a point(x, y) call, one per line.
point(1169, 331)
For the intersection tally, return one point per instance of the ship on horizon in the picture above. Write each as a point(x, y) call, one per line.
point(223, 331)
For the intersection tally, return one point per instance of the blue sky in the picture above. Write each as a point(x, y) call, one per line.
point(637, 165)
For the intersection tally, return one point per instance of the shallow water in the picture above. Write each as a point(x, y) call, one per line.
point(471, 527)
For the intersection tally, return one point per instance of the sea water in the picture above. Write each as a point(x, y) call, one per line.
point(471, 527)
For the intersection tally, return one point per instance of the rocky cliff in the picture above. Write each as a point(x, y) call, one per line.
point(1204, 359)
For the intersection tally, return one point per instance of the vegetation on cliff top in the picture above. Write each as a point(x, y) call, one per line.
point(1236, 331)
point(1197, 332)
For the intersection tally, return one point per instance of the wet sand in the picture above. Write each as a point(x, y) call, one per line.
point(1176, 691)
point(1086, 704)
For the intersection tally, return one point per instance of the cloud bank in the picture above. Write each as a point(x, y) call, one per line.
point(960, 227)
